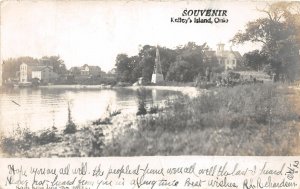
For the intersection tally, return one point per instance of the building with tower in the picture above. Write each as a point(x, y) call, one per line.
point(228, 58)
point(157, 75)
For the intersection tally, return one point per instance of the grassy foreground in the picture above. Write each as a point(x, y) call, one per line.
point(243, 120)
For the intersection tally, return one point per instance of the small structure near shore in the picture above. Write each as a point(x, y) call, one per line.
point(157, 75)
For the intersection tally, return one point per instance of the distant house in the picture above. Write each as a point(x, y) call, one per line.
point(90, 70)
point(44, 73)
point(28, 71)
point(86, 70)
point(229, 59)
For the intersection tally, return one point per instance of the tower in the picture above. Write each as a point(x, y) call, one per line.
point(220, 49)
point(157, 75)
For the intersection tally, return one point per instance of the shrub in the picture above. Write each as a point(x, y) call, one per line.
point(103, 121)
point(107, 116)
point(153, 110)
point(141, 96)
point(114, 113)
point(48, 136)
point(71, 128)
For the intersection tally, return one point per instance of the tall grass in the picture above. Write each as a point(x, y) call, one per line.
point(22, 139)
point(141, 96)
point(243, 120)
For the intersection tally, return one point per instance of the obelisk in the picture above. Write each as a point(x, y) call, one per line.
point(157, 75)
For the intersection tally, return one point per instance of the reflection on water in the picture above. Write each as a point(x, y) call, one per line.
point(43, 108)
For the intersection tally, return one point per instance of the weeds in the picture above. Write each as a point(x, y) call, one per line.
point(141, 96)
point(107, 116)
point(242, 120)
point(153, 109)
point(70, 127)
point(103, 121)
point(22, 140)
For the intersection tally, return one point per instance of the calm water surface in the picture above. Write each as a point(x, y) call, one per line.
point(46, 107)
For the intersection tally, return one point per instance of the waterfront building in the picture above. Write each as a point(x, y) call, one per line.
point(44, 73)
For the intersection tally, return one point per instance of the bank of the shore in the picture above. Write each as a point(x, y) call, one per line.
point(244, 120)
point(88, 140)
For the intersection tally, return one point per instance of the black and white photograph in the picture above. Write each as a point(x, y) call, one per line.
point(149, 78)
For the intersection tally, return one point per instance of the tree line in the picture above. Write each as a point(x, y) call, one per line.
point(11, 66)
point(278, 32)
point(182, 64)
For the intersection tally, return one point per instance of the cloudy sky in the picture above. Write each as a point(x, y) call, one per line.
point(94, 32)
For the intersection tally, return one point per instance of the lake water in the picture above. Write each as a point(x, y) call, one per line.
point(43, 108)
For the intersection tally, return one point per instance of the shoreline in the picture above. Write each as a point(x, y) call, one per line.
point(186, 90)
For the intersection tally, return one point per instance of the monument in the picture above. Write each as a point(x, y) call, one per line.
point(157, 75)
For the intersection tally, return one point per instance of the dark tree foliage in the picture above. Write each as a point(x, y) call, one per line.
point(11, 66)
point(255, 60)
point(54, 61)
point(279, 34)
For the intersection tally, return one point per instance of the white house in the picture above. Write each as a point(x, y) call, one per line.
point(229, 59)
point(90, 70)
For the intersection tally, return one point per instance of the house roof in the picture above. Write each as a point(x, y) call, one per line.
point(40, 68)
point(235, 53)
point(210, 53)
point(30, 63)
point(91, 67)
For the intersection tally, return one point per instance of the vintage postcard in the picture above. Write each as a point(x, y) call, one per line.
point(178, 81)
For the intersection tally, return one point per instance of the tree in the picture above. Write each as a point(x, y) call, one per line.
point(136, 68)
point(181, 71)
point(279, 35)
point(167, 57)
point(54, 61)
point(189, 60)
point(255, 60)
point(11, 66)
point(123, 69)
point(147, 57)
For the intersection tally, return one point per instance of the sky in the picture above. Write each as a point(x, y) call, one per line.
point(94, 32)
